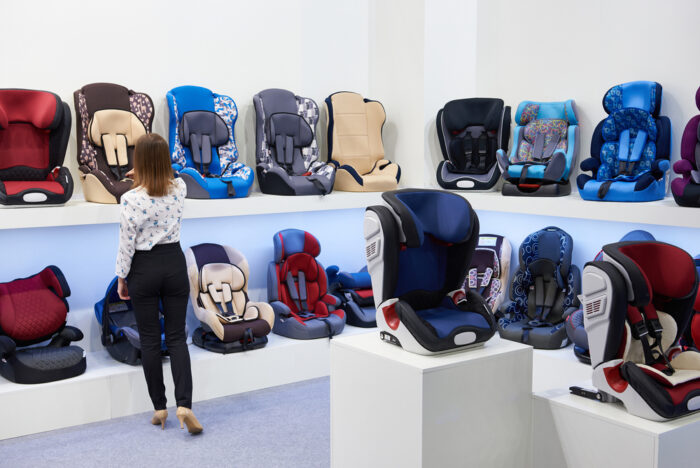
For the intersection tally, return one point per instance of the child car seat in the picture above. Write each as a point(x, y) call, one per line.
point(355, 293)
point(110, 119)
point(637, 303)
point(489, 270)
point(691, 337)
point(33, 310)
point(219, 294)
point(545, 147)
point(34, 130)
point(418, 251)
point(355, 144)
point(297, 289)
point(686, 189)
point(287, 154)
point(470, 132)
point(574, 322)
point(203, 144)
point(630, 148)
point(119, 332)
point(544, 291)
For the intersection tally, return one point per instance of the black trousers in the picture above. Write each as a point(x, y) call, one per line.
point(160, 275)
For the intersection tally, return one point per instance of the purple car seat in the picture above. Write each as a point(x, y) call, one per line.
point(686, 189)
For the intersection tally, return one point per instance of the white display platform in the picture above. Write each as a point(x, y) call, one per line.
point(571, 431)
point(110, 389)
point(557, 368)
point(390, 407)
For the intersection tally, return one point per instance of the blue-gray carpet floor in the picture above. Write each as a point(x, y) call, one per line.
point(287, 426)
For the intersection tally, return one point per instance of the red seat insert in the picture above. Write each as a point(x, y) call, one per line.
point(15, 187)
point(29, 310)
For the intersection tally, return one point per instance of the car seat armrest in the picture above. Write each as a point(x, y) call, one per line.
point(659, 167)
point(504, 310)
point(331, 300)
point(177, 168)
point(66, 336)
point(683, 166)
point(265, 311)
point(590, 164)
point(7, 347)
point(568, 311)
point(280, 308)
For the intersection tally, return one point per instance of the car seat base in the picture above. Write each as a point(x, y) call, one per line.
point(547, 190)
point(43, 364)
point(209, 341)
point(456, 181)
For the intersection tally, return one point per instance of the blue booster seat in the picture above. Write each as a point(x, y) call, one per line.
point(203, 145)
point(543, 293)
point(418, 251)
point(545, 147)
point(630, 149)
point(355, 293)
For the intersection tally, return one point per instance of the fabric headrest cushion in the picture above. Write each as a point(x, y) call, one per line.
point(361, 280)
point(99, 96)
point(291, 241)
point(209, 253)
point(203, 123)
point(528, 113)
point(40, 108)
point(116, 122)
point(462, 113)
point(545, 127)
point(219, 273)
point(644, 95)
point(292, 125)
point(485, 257)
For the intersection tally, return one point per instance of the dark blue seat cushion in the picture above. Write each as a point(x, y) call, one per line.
point(445, 319)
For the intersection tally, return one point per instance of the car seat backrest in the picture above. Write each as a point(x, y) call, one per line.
point(356, 134)
point(690, 143)
point(114, 131)
point(489, 268)
point(544, 128)
point(34, 308)
point(201, 131)
point(25, 143)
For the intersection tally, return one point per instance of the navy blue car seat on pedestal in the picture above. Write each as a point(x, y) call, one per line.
point(287, 154)
point(34, 310)
point(297, 289)
point(119, 332)
point(574, 322)
point(630, 149)
point(355, 293)
point(418, 250)
point(203, 145)
point(544, 291)
point(470, 132)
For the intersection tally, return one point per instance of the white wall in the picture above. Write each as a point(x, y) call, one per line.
point(556, 50)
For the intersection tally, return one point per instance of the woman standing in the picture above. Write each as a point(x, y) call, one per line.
point(152, 270)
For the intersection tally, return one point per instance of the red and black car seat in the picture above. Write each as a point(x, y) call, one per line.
point(297, 289)
point(34, 130)
point(637, 303)
point(33, 310)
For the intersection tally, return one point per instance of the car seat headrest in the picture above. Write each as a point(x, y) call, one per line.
point(221, 280)
point(462, 113)
point(39, 108)
point(114, 130)
point(644, 95)
point(550, 243)
point(105, 96)
point(293, 241)
point(697, 98)
point(202, 130)
point(359, 280)
point(288, 131)
point(440, 214)
point(638, 235)
point(530, 110)
point(653, 269)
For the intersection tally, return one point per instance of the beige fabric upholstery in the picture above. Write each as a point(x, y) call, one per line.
point(94, 191)
point(114, 130)
point(357, 142)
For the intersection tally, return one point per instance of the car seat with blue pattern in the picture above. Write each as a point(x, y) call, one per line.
point(418, 251)
point(34, 310)
point(630, 149)
point(203, 144)
point(297, 289)
point(489, 270)
point(470, 132)
point(119, 332)
point(544, 291)
point(574, 322)
point(287, 154)
point(355, 293)
point(230, 321)
point(686, 189)
point(545, 147)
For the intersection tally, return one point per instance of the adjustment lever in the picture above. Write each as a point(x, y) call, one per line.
point(582, 392)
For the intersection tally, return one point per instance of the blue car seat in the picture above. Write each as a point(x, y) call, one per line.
point(203, 145)
point(355, 293)
point(297, 289)
point(544, 291)
point(119, 333)
point(630, 149)
point(574, 322)
point(418, 251)
point(545, 147)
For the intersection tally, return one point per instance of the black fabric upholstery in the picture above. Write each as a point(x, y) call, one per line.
point(462, 113)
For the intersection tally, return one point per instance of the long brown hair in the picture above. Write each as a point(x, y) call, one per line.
point(152, 169)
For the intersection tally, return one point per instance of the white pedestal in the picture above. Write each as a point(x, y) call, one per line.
point(390, 407)
point(571, 431)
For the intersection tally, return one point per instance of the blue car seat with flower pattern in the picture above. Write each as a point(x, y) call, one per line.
point(545, 146)
point(203, 144)
point(543, 293)
point(630, 149)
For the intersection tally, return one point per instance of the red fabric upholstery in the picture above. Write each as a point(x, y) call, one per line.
point(23, 105)
point(668, 270)
point(315, 279)
point(14, 188)
point(22, 144)
point(29, 310)
point(311, 245)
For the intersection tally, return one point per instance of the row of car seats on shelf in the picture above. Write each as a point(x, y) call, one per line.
point(438, 286)
point(630, 149)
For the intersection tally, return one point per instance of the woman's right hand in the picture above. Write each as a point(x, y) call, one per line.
point(123, 289)
point(130, 174)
